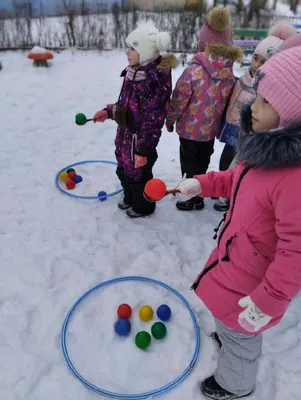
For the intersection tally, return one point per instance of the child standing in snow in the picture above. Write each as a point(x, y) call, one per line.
point(200, 97)
point(255, 271)
point(244, 93)
point(140, 113)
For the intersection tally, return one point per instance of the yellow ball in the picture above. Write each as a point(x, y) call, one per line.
point(64, 176)
point(146, 313)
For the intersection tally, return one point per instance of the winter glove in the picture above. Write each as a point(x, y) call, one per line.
point(252, 319)
point(140, 161)
point(100, 116)
point(169, 127)
point(190, 187)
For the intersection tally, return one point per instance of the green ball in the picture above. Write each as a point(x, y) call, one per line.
point(80, 119)
point(143, 340)
point(159, 331)
point(70, 170)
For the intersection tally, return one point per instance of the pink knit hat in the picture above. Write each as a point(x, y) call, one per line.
point(293, 41)
point(216, 29)
point(279, 82)
point(277, 35)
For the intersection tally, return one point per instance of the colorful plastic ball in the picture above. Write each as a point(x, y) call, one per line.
point(77, 179)
point(102, 196)
point(146, 313)
point(159, 330)
point(70, 170)
point(122, 327)
point(64, 176)
point(143, 340)
point(80, 119)
point(72, 175)
point(164, 312)
point(124, 311)
point(70, 184)
point(155, 189)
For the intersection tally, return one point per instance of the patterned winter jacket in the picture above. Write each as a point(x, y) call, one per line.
point(146, 97)
point(202, 93)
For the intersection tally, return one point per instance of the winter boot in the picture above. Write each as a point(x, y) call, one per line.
point(216, 338)
point(123, 205)
point(222, 206)
point(212, 390)
point(133, 214)
point(196, 203)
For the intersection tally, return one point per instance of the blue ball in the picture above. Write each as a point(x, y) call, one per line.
point(102, 196)
point(77, 179)
point(122, 327)
point(164, 312)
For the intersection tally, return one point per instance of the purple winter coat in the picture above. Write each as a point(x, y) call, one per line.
point(147, 100)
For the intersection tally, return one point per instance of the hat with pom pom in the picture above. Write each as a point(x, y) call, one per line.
point(293, 41)
point(277, 35)
point(148, 42)
point(216, 29)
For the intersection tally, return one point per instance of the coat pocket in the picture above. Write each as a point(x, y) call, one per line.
point(248, 255)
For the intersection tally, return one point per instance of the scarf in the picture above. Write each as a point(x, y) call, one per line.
point(132, 72)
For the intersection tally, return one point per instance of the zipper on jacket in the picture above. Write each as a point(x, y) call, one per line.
point(197, 282)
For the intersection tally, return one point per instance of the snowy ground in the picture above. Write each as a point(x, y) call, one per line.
point(54, 248)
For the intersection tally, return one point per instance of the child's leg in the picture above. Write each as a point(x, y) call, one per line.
point(205, 151)
point(127, 193)
point(238, 360)
point(195, 156)
point(227, 157)
point(195, 159)
point(139, 204)
point(226, 162)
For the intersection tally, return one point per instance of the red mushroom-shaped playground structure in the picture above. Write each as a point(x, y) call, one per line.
point(40, 57)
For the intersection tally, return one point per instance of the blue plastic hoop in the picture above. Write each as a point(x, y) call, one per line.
point(76, 196)
point(140, 396)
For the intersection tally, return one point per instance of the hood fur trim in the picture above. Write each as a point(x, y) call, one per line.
point(233, 53)
point(271, 149)
point(168, 61)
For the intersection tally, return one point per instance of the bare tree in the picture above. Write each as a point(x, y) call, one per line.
point(294, 6)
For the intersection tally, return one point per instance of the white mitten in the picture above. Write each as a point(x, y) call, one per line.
point(190, 187)
point(251, 319)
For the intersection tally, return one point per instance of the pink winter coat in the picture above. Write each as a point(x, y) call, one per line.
point(259, 247)
point(243, 93)
point(201, 95)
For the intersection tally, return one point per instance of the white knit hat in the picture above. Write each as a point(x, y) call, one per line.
point(148, 42)
point(277, 35)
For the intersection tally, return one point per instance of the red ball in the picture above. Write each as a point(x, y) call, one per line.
point(72, 175)
point(70, 184)
point(124, 311)
point(155, 189)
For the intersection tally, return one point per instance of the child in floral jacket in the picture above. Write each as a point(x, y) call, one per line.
point(201, 95)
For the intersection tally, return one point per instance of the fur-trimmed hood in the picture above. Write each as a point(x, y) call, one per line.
point(271, 149)
point(232, 53)
point(168, 61)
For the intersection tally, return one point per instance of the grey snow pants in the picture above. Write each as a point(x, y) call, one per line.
point(238, 360)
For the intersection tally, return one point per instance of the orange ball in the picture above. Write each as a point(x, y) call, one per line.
point(155, 189)
point(70, 184)
point(72, 174)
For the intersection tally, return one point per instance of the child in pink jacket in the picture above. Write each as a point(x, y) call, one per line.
point(200, 97)
point(255, 270)
point(244, 93)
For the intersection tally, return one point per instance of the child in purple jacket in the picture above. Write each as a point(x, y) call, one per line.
point(140, 113)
